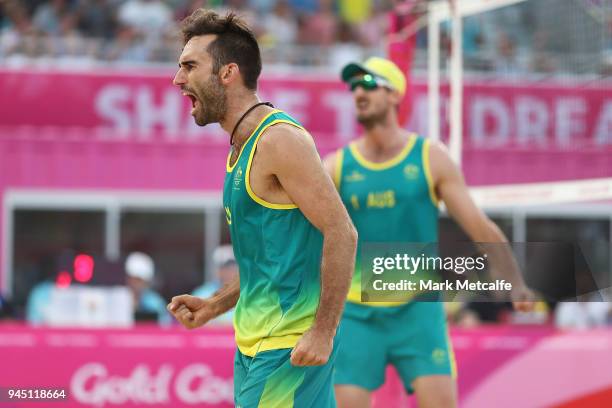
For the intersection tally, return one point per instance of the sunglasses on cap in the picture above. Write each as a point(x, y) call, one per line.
point(368, 82)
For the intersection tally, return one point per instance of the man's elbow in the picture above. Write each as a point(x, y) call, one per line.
point(354, 236)
point(351, 233)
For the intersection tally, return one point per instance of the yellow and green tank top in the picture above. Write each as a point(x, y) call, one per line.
point(278, 253)
point(389, 202)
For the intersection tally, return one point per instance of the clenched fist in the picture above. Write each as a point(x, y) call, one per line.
point(314, 348)
point(192, 311)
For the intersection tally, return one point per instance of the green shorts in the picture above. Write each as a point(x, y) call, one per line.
point(412, 337)
point(269, 380)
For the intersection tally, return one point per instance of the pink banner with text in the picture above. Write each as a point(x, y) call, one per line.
point(502, 366)
point(146, 106)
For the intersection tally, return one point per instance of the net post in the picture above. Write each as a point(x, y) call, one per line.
point(433, 72)
point(456, 83)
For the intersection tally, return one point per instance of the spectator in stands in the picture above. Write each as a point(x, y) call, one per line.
point(306, 7)
point(263, 7)
point(48, 16)
point(276, 32)
point(317, 23)
point(15, 26)
point(68, 43)
point(147, 17)
point(506, 60)
point(28, 6)
point(606, 65)
point(541, 61)
point(476, 313)
point(38, 303)
point(129, 46)
point(605, 69)
point(473, 36)
point(249, 15)
point(355, 12)
point(541, 314)
point(461, 316)
point(237, 5)
point(609, 30)
point(346, 49)
point(321, 27)
point(370, 32)
point(472, 314)
point(583, 315)
point(225, 271)
point(190, 7)
point(477, 50)
point(280, 26)
point(140, 270)
point(167, 48)
point(96, 18)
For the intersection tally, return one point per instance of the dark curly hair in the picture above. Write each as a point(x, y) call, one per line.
point(235, 42)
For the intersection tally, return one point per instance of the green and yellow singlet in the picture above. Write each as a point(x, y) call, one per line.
point(279, 257)
point(389, 202)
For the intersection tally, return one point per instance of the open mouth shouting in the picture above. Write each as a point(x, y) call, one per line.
point(194, 100)
point(362, 104)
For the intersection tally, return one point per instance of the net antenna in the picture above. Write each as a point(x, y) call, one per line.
point(439, 11)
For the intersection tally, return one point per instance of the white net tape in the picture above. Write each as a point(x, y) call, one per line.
point(558, 192)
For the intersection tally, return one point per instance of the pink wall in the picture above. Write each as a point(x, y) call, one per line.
point(125, 130)
point(504, 366)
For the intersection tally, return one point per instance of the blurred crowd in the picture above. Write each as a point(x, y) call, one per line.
point(577, 315)
point(512, 40)
point(147, 30)
point(118, 294)
point(57, 301)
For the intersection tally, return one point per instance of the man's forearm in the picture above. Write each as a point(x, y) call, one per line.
point(337, 265)
point(502, 258)
point(504, 264)
point(226, 297)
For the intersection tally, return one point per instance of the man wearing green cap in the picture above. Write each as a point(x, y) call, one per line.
point(391, 181)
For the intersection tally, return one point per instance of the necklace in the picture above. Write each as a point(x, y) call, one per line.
point(244, 116)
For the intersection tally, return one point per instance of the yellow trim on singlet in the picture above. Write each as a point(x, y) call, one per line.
point(250, 191)
point(388, 163)
point(428, 177)
point(229, 168)
point(338, 168)
point(356, 299)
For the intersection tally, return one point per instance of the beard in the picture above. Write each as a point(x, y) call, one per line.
point(371, 119)
point(212, 100)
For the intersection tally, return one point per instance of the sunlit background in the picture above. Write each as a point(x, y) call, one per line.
point(100, 161)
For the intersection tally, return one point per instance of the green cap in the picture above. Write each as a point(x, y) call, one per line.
point(378, 67)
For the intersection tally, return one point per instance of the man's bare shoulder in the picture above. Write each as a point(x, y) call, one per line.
point(284, 136)
point(442, 165)
point(284, 146)
point(438, 151)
